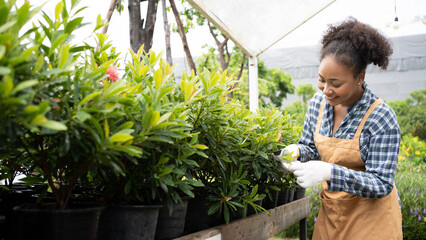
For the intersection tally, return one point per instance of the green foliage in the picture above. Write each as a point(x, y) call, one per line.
point(412, 154)
point(413, 203)
point(411, 114)
point(238, 160)
point(274, 85)
point(298, 111)
point(306, 91)
point(68, 120)
point(158, 113)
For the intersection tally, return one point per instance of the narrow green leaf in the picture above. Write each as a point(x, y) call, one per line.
point(63, 56)
point(54, 125)
point(82, 116)
point(7, 25)
point(23, 14)
point(121, 137)
point(58, 9)
point(38, 119)
point(89, 97)
point(23, 85)
point(199, 146)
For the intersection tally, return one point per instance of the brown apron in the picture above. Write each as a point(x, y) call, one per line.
point(346, 216)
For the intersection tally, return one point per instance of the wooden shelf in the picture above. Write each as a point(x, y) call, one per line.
point(259, 226)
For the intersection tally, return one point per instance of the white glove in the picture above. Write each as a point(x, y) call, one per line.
point(292, 149)
point(310, 173)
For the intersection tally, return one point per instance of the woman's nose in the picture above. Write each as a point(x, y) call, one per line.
point(327, 90)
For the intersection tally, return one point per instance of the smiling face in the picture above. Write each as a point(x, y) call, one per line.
point(338, 83)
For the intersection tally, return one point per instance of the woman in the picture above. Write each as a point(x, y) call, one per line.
point(355, 135)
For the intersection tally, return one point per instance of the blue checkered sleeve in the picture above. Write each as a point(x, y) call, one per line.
point(307, 149)
point(382, 145)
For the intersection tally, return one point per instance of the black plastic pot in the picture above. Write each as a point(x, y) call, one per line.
point(171, 226)
point(77, 222)
point(290, 196)
point(268, 203)
point(128, 222)
point(299, 193)
point(197, 218)
point(282, 196)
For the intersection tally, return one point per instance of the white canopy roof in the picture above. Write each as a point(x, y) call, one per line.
point(255, 25)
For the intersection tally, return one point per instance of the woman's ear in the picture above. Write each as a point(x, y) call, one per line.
point(360, 78)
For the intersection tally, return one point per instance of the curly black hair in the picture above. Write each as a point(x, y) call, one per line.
point(355, 45)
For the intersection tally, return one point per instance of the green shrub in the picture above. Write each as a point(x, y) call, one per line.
point(411, 114)
point(412, 154)
point(411, 188)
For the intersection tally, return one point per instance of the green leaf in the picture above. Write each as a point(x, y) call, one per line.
point(23, 85)
point(31, 109)
point(121, 137)
point(58, 40)
point(132, 150)
point(263, 154)
point(73, 24)
point(23, 14)
point(63, 56)
point(199, 146)
point(163, 118)
point(160, 139)
point(58, 9)
point(99, 22)
point(82, 116)
point(38, 119)
point(89, 97)
point(186, 189)
point(4, 70)
point(194, 183)
point(54, 125)
point(74, 3)
point(125, 125)
point(30, 180)
point(7, 25)
point(214, 208)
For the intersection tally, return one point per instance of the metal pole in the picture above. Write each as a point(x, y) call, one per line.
point(253, 85)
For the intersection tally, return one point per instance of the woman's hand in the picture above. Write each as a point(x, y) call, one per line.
point(310, 173)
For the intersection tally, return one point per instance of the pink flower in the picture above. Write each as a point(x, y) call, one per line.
point(113, 74)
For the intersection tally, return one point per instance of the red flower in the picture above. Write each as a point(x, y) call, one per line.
point(113, 74)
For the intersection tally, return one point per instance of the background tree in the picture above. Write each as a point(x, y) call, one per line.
point(182, 34)
point(142, 30)
point(306, 91)
point(167, 33)
point(114, 5)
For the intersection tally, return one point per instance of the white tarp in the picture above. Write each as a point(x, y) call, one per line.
point(255, 25)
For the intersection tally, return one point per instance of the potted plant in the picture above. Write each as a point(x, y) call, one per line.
point(238, 165)
point(57, 104)
point(159, 175)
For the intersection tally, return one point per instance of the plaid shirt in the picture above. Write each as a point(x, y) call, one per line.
point(379, 145)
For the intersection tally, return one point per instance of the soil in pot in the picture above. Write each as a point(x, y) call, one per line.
point(80, 221)
point(171, 226)
point(128, 222)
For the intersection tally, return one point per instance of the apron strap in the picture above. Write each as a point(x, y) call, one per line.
point(319, 119)
point(364, 119)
